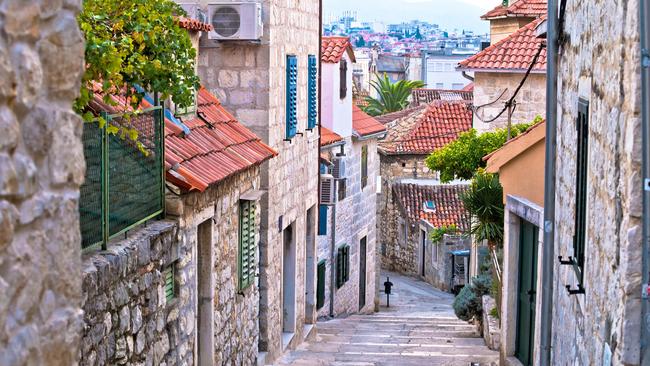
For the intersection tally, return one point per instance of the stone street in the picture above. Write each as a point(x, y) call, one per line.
point(419, 328)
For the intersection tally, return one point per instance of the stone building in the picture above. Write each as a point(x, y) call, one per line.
point(347, 260)
point(270, 85)
point(41, 170)
point(500, 69)
point(419, 209)
point(409, 140)
point(184, 290)
point(511, 15)
point(599, 87)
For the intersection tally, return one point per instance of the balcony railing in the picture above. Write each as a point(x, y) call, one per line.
point(124, 185)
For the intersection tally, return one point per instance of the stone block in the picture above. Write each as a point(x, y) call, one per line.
point(228, 79)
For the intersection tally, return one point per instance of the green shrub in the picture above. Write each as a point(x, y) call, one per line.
point(467, 304)
point(482, 284)
point(494, 313)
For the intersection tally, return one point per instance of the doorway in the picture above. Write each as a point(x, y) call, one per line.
point(205, 323)
point(310, 264)
point(289, 280)
point(423, 251)
point(362, 272)
point(526, 292)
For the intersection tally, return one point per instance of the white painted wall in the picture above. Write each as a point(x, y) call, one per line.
point(441, 73)
point(336, 113)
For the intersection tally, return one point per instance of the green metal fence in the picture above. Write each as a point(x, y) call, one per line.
point(124, 186)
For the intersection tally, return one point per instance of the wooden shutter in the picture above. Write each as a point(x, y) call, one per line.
point(247, 244)
point(582, 165)
point(347, 263)
point(364, 166)
point(339, 267)
point(320, 285)
point(322, 220)
point(292, 97)
point(343, 70)
point(168, 278)
point(312, 112)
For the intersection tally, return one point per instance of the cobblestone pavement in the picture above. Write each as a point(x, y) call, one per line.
point(419, 328)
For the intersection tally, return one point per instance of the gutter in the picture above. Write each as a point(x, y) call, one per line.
point(376, 135)
point(644, 14)
point(468, 77)
point(548, 249)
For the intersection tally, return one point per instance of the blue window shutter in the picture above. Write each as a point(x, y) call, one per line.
point(313, 91)
point(292, 96)
point(322, 220)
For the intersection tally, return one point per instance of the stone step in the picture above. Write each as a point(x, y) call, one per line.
point(405, 358)
point(401, 348)
point(402, 332)
point(461, 342)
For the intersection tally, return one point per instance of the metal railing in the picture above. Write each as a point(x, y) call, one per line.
point(124, 184)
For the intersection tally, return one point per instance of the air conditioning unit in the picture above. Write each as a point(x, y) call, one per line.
point(338, 171)
point(235, 21)
point(327, 189)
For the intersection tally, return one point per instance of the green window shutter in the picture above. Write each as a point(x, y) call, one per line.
point(168, 278)
point(320, 285)
point(347, 263)
point(364, 166)
point(247, 244)
point(339, 268)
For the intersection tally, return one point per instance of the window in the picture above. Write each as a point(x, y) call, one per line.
point(342, 186)
point(292, 97)
point(320, 284)
point(440, 85)
point(312, 104)
point(437, 67)
point(582, 164)
point(448, 67)
point(247, 243)
point(342, 265)
point(343, 75)
point(364, 166)
point(168, 275)
point(322, 220)
point(457, 86)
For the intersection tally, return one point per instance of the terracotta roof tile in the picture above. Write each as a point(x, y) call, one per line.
point(333, 48)
point(426, 96)
point(522, 8)
point(328, 137)
point(364, 124)
point(514, 53)
point(449, 209)
point(427, 129)
point(390, 117)
point(193, 24)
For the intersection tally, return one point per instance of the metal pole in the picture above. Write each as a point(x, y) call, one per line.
point(509, 121)
point(644, 13)
point(546, 323)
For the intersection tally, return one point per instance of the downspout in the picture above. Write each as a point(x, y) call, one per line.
point(548, 260)
point(320, 89)
point(466, 76)
point(644, 13)
point(332, 260)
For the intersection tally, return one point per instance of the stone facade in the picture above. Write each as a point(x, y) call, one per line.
point(531, 100)
point(501, 28)
point(250, 81)
point(128, 319)
point(600, 62)
point(355, 219)
point(41, 169)
point(438, 267)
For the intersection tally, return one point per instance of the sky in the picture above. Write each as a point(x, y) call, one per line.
point(449, 14)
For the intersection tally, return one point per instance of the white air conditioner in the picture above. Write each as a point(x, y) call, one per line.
point(327, 189)
point(338, 171)
point(235, 21)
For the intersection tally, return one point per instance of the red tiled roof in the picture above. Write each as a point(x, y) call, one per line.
point(328, 137)
point(217, 146)
point(364, 124)
point(426, 96)
point(333, 48)
point(390, 117)
point(193, 24)
point(449, 209)
point(427, 129)
point(513, 53)
point(522, 8)
point(469, 87)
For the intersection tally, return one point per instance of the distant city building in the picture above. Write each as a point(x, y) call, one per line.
point(439, 68)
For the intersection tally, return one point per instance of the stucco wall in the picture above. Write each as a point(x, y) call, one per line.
point(336, 112)
point(600, 62)
point(488, 86)
point(502, 28)
point(523, 176)
point(41, 169)
point(250, 80)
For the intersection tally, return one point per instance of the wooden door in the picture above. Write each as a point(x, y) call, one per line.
point(528, 244)
point(362, 273)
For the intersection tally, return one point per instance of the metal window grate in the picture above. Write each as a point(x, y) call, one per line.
point(124, 185)
point(292, 97)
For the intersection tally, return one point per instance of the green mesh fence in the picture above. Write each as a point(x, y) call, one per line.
point(124, 186)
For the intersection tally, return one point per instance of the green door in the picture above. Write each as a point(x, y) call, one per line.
point(320, 285)
point(526, 294)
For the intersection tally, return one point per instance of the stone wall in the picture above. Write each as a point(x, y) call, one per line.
point(393, 169)
point(600, 62)
point(355, 219)
point(438, 272)
point(235, 313)
point(127, 317)
point(250, 81)
point(41, 169)
point(531, 100)
point(503, 27)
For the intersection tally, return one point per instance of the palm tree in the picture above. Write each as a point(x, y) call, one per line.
point(393, 97)
point(484, 202)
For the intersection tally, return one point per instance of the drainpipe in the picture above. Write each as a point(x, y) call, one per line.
point(467, 76)
point(644, 13)
point(549, 184)
point(332, 260)
point(320, 68)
